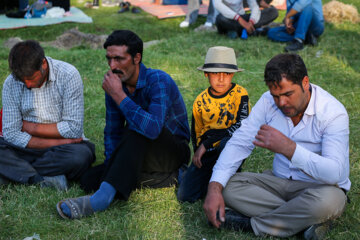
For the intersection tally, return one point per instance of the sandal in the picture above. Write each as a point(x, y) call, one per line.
point(79, 207)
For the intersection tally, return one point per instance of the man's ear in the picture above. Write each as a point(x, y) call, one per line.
point(44, 64)
point(305, 83)
point(137, 58)
point(206, 74)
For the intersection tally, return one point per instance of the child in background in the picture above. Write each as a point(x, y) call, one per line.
point(217, 113)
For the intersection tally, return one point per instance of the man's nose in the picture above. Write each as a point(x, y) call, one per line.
point(282, 101)
point(112, 64)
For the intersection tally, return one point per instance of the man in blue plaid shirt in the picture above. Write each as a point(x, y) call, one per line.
point(146, 132)
point(43, 113)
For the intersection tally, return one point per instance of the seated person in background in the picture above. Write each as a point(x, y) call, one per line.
point(23, 5)
point(217, 113)
point(232, 18)
point(304, 23)
point(43, 113)
point(146, 133)
point(308, 131)
point(193, 12)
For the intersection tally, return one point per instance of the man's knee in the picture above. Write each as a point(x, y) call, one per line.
point(78, 155)
point(329, 202)
point(235, 183)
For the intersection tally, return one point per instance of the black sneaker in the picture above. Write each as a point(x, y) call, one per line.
point(135, 10)
point(294, 46)
point(317, 231)
point(260, 31)
point(236, 221)
point(124, 7)
point(311, 39)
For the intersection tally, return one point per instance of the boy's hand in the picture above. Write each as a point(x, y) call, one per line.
point(198, 155)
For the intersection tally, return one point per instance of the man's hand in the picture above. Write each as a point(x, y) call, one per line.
point(272, 139)
point(214, 202)
point(249, 27)
point(198, 155)
point(112, 85)
point(289, 25)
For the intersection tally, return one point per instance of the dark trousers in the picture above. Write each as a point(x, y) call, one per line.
point(138, 161)
point(20, 164)
point(225, 25)
point(194, 184)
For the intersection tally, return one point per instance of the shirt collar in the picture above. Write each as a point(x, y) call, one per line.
point(51, 69)
point(310, 110)
point(141, 83)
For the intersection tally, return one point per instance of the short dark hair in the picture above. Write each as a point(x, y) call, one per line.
point(25, 58)
point(289, 66)
point(126, 38)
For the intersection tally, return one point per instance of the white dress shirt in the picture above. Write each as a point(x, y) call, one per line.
point(231, 9)
point(321, 137)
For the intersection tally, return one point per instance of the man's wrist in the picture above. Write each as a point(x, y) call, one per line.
point(252, 21)
point(215, 187)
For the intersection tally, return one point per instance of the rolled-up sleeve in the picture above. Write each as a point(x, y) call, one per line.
point(12, 118)
point(331, 166)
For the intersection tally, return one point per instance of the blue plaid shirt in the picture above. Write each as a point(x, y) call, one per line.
point(156, 103)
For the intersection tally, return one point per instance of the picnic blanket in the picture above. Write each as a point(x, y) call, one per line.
point(167, 11)
point(76, 16)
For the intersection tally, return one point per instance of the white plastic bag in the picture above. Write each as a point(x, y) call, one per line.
point(55, 12)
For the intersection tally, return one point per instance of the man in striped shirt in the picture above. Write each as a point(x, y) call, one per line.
point(43, 112)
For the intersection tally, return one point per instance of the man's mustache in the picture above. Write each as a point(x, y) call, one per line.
point(117, 71)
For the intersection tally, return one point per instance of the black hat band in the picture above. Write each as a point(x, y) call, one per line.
point(220, 65)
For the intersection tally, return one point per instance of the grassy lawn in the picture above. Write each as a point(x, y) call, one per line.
point(155, 214)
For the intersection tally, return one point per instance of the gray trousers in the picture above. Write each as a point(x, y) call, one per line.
point(20, 164)
point(282, 207)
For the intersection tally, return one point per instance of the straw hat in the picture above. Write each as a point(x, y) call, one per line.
point(220, 59)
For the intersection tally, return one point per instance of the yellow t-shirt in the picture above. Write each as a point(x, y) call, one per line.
point(219, 112)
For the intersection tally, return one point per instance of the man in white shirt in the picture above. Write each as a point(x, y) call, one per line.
point(308, 130)
point(232, 18)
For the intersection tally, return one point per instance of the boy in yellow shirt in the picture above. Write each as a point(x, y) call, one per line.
point(217, 113)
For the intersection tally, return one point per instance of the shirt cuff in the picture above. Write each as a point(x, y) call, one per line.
point(300, 156)
point(218, 176)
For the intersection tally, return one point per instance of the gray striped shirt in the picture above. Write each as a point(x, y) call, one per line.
point(59, 100)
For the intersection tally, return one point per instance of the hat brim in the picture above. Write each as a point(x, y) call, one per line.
point(227, 70)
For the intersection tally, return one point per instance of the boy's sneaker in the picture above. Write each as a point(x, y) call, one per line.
point(184, 24)
point(59, 182)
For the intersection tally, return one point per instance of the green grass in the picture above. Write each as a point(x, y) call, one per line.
point(155, 213)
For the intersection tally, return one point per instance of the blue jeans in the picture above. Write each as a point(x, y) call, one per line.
point(194, 184)
point(305, 22)
point(193, 11)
